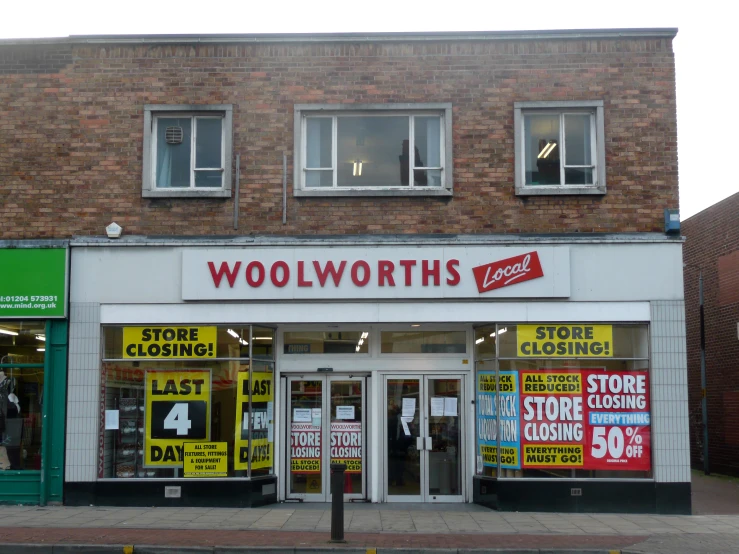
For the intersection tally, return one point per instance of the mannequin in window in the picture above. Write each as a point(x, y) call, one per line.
point(11, 423)
point(419, 179)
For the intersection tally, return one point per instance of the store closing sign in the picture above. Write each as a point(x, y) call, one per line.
point(346, 445)
point(305, 448)
point(262, 421)
point(169, 342)
point(586, 419)
point(559, 341)
point(177, 411)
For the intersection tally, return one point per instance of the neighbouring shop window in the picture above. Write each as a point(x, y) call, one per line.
point(22, 352)
point(563, 400)
point(326, 342)
point(187, 401)
point(424, 342)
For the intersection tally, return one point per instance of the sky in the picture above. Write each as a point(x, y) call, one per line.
point(704, 48)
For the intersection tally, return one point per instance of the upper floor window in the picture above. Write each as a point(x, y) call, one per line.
point(187, 151)
point(559, 148)
point(381, 150)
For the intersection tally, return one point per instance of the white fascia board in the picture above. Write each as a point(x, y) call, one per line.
point(372, 312)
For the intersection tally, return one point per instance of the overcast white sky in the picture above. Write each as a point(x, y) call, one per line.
point(705, 50)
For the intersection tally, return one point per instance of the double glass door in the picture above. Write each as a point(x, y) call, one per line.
point(424, 434)
point(326, 423)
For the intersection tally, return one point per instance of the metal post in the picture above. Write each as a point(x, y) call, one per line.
point(337, 502)
point(704, 400)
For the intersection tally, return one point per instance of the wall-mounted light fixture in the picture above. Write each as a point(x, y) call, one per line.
point(113, 230)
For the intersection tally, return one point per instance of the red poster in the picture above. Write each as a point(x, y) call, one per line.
point(619, 421)
point(585, 419)
point(305, 448)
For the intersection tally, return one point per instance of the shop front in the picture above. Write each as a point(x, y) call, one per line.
point(436, 370)
point(33, 363)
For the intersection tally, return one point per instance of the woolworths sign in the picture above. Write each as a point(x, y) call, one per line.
point(33, 282)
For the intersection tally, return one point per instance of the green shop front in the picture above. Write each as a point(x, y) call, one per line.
point(33, 370)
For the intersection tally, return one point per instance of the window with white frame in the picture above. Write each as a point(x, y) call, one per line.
point(373, 150)
point(187, 151)
point(559, 148)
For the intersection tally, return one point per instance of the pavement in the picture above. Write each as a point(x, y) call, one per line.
point(374, 529)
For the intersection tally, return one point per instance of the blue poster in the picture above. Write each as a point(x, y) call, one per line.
point(490, 400)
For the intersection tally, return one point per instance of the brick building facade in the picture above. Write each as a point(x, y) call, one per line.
point(712, 248)
point(72, 119)
point(353, 239)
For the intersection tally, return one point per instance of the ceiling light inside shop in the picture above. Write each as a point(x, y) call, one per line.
point(41, 337)
point(7, 332)
point(415, 324)
point(262, 338)
point(233, 333)
point(365, 335)
point(41, 350)
point(500, 331)
point(242, 341)
point(478, 341)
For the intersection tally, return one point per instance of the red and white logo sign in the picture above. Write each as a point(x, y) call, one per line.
point(510, 271)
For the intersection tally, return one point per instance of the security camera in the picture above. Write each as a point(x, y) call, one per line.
point(113, 230)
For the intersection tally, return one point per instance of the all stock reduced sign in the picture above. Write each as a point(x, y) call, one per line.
point(585, 419)
point(177, 411)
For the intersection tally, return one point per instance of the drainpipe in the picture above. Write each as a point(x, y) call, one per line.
point(704, 400)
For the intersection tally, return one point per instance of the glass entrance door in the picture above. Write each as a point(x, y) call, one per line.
point(326, 424)
point(424, 430)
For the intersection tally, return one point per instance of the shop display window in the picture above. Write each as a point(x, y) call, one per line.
point(326, 342)
point(187, 402)
point(424, 342)
point(563, 401)
point(22, 352)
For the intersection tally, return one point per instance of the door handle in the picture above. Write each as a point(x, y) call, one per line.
point(419, 443)
point(429, 446)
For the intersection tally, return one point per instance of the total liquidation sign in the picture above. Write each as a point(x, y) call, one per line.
point(283, 273)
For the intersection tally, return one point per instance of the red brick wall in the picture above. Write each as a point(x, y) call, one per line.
point(71, 132)
point(712, 244)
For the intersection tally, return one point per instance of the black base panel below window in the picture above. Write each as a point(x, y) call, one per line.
point(201, 494)
point(637, 497)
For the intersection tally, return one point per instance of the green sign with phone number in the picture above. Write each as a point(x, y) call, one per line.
point(33, 282)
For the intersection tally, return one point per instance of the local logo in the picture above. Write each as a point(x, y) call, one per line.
point(506, 272)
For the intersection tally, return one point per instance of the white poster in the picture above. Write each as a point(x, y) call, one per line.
point(405, 421)
point(315, 415)
point(450, 406)
point(111, 420)
point(301, 415)
point(409, 407)
point(344, 412)
point(437, 406)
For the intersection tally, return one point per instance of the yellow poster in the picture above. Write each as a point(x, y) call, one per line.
point(486, 383)
point(169, 342)
point(205, 459)
point(262, 399)
point(177, 411)
point(565, 341)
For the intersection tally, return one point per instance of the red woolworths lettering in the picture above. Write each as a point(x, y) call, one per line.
point(506, 272)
